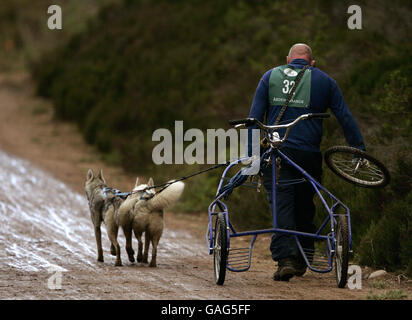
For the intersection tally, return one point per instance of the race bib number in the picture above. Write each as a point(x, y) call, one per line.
point(281, 82)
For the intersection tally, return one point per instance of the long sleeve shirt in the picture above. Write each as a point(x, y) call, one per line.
point(324, 94)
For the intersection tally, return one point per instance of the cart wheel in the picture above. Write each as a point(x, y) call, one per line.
point(341, 256)
point(220, 249)
point(357, 167)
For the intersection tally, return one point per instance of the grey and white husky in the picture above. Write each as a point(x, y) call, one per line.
point(103, 209)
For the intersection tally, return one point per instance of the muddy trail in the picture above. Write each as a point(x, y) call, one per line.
point(46, 232)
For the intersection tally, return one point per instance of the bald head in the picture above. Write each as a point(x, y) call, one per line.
point(300, 51)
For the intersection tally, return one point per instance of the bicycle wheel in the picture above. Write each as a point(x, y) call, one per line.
point(341, 256)
point(357, 167)
point(220, 249)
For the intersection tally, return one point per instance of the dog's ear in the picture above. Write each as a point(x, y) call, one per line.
point(150, 183)
point(90, 174)
point(101, 175)
point(137, 182)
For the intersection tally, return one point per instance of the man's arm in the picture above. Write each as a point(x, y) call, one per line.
point(260, 100)
point(341, 111)
point(259, 106)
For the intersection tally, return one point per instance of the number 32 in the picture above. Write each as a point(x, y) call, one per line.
point(288, 86)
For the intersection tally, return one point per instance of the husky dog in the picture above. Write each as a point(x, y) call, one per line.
point(93, 187)
point(143, 212)
point(109, 213)
point(148, 218)
point(124, 218)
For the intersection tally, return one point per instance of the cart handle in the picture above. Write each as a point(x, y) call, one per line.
point(251, 121)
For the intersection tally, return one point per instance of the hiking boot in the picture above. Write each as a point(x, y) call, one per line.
point(300, 267)
point(286, 270)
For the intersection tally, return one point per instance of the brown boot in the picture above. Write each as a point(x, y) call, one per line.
point(300, 266)
point(286, 270)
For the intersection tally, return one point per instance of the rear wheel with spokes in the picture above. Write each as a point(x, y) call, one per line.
point(341, 256)
point(357, 167)
point(220, 249)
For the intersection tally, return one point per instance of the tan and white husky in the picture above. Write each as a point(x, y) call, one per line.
point(143, 212)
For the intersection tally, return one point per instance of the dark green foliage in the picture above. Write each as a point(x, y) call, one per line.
point(145, 64)
point(387, 243)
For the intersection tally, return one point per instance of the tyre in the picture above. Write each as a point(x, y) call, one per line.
point(341, 257)
point(220, 249)
point(357, 167)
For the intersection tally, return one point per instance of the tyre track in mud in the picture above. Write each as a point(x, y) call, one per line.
point(44, 223)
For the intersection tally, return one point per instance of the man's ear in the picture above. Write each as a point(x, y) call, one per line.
point(313, 63)
point(90, 174)
point(150, 183)
point(101, 175)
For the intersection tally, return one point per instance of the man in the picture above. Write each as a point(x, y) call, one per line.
point(315, 93)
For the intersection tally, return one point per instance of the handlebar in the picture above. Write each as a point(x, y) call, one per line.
point(318, 115)
point(247, 122)
point(251, 121)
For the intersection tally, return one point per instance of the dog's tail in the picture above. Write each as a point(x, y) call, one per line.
point(167, 197)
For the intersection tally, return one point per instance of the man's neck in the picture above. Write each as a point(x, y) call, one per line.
point(299, 61)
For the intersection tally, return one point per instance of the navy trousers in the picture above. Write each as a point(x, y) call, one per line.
point(294, 203)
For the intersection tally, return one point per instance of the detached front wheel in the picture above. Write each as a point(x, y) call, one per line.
point(220, 249)
point(357, 167)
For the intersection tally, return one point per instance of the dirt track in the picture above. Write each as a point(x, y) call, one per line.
point(44, 223)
